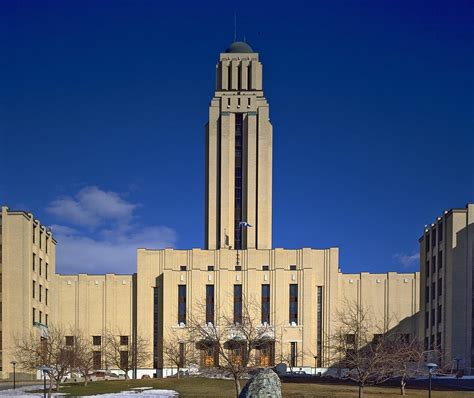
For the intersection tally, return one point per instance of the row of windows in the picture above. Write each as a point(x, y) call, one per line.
point(96, 340)
point(432, 265)
point(292, 267)
point(237, 312)
point(40, 266)
point(40, 318)
point(431, 344)
point(40, 293)
point(427, 317)
point(433, 290)
point(40, 240)
point(436, 235)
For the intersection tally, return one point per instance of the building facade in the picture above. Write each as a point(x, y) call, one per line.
point(447, 295)
point(298, 293)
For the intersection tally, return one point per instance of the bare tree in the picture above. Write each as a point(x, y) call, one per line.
point(53, 350)
point(120, 353)
point(178, 351)
point(355, 347)
point(234, 344)
point(83, 355)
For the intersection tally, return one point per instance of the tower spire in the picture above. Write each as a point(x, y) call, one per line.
point(235, 26)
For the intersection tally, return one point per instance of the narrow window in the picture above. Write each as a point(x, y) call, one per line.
point(432, 317)
point(40, 238)
point(438, 340)
point(46, 319)
point(427, 269)
point(46, 270)
point(440, 309)
point(181, 304)
point(238, 183)
point(210, 304)
point(440, 287)
point(266, 303)
point(427, 294)
point(34, 233)
point(293, 304)
point(96, 340)
point(97, 360)
point(440, 231)
point(123, 340)
point(124, 359)
point(69, 340)
point(46, 296)
point(34, 262)
point(433, 238)
point(319, 327)
point(34, 289)
point(427, 242)
point(40, 292)
point(182, 354)
point(433, 290)
point(293, 354)
point(440, 261)
point(427, 320)
point(433, 264)
point(238, 304)
point(46, 244)
point(40, 266)
point(40, 317)
point(34, 316)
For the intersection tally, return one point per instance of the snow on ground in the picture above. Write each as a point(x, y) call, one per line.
point(22, 392)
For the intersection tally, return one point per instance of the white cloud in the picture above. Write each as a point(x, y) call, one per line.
point(92, 206)
point(407, 260)
point(110, 243)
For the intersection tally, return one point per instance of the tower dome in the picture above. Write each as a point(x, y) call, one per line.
point(239, 47)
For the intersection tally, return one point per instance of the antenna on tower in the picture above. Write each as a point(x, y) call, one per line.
point(235, 26)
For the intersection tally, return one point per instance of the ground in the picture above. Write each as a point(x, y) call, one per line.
point(198, 387)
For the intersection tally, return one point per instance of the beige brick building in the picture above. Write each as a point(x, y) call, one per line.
point(299, 291)
point(447, 295)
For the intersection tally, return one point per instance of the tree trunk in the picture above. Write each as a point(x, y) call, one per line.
point(402, 386)
point(178, 372)
point(237, 386)
point(361, 391)
point(85, 380)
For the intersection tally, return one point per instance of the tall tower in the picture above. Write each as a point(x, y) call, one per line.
point(238, 155)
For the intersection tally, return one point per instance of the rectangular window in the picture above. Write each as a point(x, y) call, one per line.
point(182, 354)
point(440, 310)
point(293, 354)
point(34, 289)
point(40, 266)
point(266, 303)
point(292, 267)
point(238, 182)
point(210, 268)
point(34, 233)
point(427, 242)
point(96, 362)
point(40, 317)
point(433, 290)
point(124, 359)
point(34, 262)
point(293, 304)
point(440, 260)
point(34, 316)
point(69, 340)
point(433, 237)
point(96, 340)
point(427, 343)
point(433, 264)
point(46, 270)
point(440, 287)
point(182, 268)
point(440, 231)
point(46, 320)
point(427, 320)
point(432, 317)
point(210, 304)
point(46, 244)
point(238, 268)
point(319, 327)
point(438, 340)
point(40, 293)
point(181, 304)
point(238, 304)
point(265, 267)
point(123, 340)
point(427, 294)
point(427, 269)
point(46, 296)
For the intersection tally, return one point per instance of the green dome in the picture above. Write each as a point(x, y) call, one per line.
point(239, 47)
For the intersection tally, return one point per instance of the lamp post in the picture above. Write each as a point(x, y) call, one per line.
point(457, 364)
point(45, 369)
point(14, 373)
point(431, 367)
point(315, 364)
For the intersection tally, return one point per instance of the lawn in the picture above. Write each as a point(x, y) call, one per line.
point(199, 387)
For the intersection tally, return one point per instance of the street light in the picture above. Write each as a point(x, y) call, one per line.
point(315, 364)
point(14, 373)
point(45, 369)
point(431, 367)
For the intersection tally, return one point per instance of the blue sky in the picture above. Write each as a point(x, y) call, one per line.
point(103, 106)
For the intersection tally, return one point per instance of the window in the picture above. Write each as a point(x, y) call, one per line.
point(433, 264)
point(427, 242)
point(46, 244)
point(40, 238)
point(293, 303)
point(266, 303)
point(96, 340)
point(123, 340)
point(34, 316)
point(440, 287)
point(34, 262)
point(427, 343)
point(34, 233)
point(432, 317)
point(433, 291)
point(427, 294)
point(237, 303)
point(46, 296)
point(427, 320)
point(293, 267)
point(238, 182)
point(40, 317)
point(265, 267)
point(293, 354)
point(319, 327)
point(210, 268)
point(440, 260)
point(238, 268)
point(432, 341)
point(182, 354)
point(46, 270)
point(427, 268)
point(440, 231)
point(40, 293)
point(124, 359)
point(210, 304)
point(438, 340)
point(69, 340)
point(433, 237)
point(181, 304)
point(40, 266)
point(350, 338)
point(440, 309)
point(34, 289)
point(46, 319)
point(96, 361)
point(182, 268)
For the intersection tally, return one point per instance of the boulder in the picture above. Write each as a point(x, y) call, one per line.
point(265, 384)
